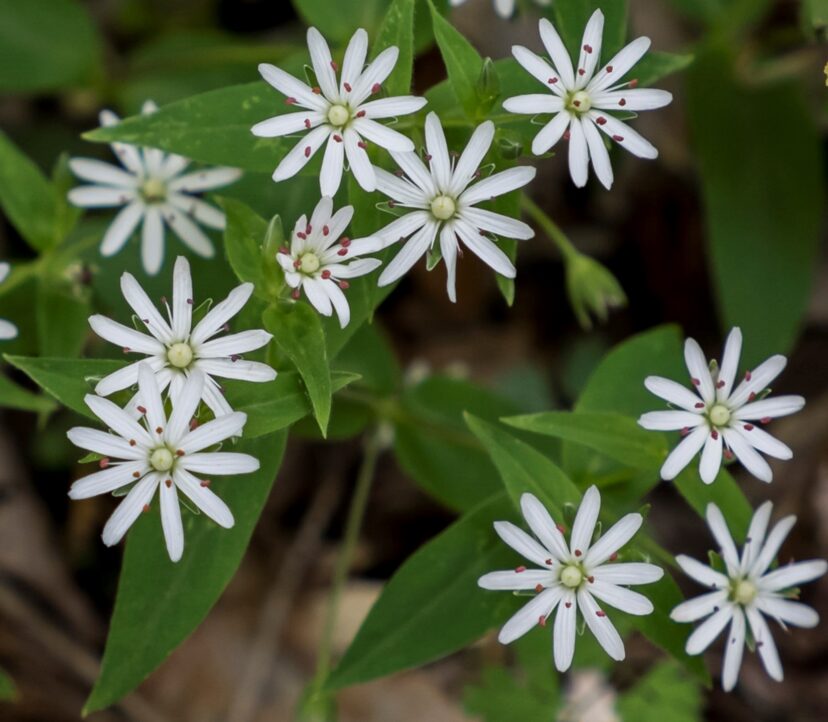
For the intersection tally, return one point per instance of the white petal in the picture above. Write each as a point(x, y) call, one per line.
point(673, 393)
point(100, 196)
point(400, 190)
point(765, 645)
point(333, 163)
point(205, 180)
point(504, 8)
point(473, 154)
point(202, 212)
point(730, 363)
point(239, 369)
point(289, 86)
point(698, 607)
point(624, 135)
point(749, 457)
point(140, 302)
point(392, 107)
point(614, 538)
point(497, 223)
point(760, 377)
point(317, 296)
point(321, 60)
point(522, 543)
point(173, 165)
point(223, 463)
point(483, 248)
point(354, 60)
point(107, 480)
point(404, 227)
point(383, 136)
point(530, 615)
point(584, 524)
point(516, 581)
point(182, 308)
point(699, 371)
point(787, 612)
point(438, 150)
point(184, 408)
point(221, 313)
point(121, 228)
point(755, 536)
point(150, 398)
point(764, 442)
point(7, 330)
point(711, 458)
point(118, 420)
point(621, 598)
point(771, 546)
point(125, 337)
point(683, 453)
point(214, 398)
point(358, 159)
point(551, 133)
point(338, 301)
point(557, 52)
point(287, 124)
point(620, 63)
point(578, 153)
point(600, 626)
point(590, 50)
point(213, 432)
point(190, 234)
point(770, 408)
point(598, 154)
point(152, 240)
point(628, 573)
point(235, 343)
point(727, 547)
point(416, 171)
point(631, 99)
point(411, 252)
point(298, 156)
point(128, 510)
point(792, 575)
point(704, 635)
point(97, 171)
point(541, 70)
point(497, 185)
point(543, 526)
point(375, 74)
point(204, 499)
point(448, 249)
point(734, 649)
point(563, 636)
point(702, 573)
point(171, 520)
point(670, 420)
point(534, 104)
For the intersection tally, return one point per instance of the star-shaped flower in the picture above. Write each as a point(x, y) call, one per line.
point(444, 196)
point(175, 349)
point(316, 259)
point(745, 592)
point(583, 102)
point(719, 419)
point(572, 576)
point(152, 188)
point(340, 114)
point(161, 453)
point(7, 329)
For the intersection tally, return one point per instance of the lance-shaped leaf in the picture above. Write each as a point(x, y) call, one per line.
point(13, 396)
point(397, 30)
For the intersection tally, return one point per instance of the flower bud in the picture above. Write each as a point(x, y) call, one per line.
point(592, 289)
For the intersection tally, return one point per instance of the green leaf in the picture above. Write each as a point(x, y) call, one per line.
point(664, 694)
point(8, 691)
point(13, 396)
point(612, 434)
point(763, 229)
point(432, 606)
point(45, 45)
point(571, 17)
point(398, 30)
point(434, 447)
point(297, 332)
point(656, 65)
point(212, 127)
point(66, 379)
point(159, 603)
point(463, 63)
point(279, 403)
point(28, 199)
point(338, 23)
point(62, 314)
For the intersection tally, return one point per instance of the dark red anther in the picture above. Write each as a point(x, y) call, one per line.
point(295, 294)
point(136, 474)
point(720, 384)
point(748, 375)
point(141, 410)
point(752, 396)
point(685, 431)
point(326, 274)
point(344, 285)
point(347, 87)
point(301, 234)
point(622, 102)
point(539, 588)
point(168, 483)
point(235, 357)
point(715, 435)
point(561, 528)
point(146, 508)
point(307, 151)
point(375, 88)
point(765, 420)
point(552, 81)
point(613, 556)
point(567, 135)
point(609, 68)
point(290, 101)
point(307, 123)
point(337, 137)
point(634, 83)
point(325, 230)
point(362, 144)
point(588, 48)
point(578, 552)
point(392, 203)
point(159, 430)
point(297, 264)
point(316, 90)
point(127, 350)
point(103, 463)
point(520, 570)
point(576, 103)
point(179, 452)
point(748, 427)
point(193, 423)
point(345, 241)
point(601, 613)
point(285, 250)
point(342, 252)
point(132, 442)
point(699, 405)
point(591, 580)
point(618, 138)
point(728, 454)
point(542, 621)
point(567, 604)
point(360, 114)
point(205, 482)
point(427, 157)
point(334, 66)
point(601, 120)
point(549, 562)
point(581, 71)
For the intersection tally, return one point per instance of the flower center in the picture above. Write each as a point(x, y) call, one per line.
point(338, 115)
point(162, 459)
point(571, 577)
point(719, 415)
point(579, 101)
point(443, 207)
point(180, 355)
point(744, 592)
point(309, 263)
point(153, 190)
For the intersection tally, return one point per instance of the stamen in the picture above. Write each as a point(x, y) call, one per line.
point(325, 230)
point(342, 252)
point(132, 442)
point(720, 384)
point(337, 137)
point(290, 101)
point(748, 375)
point(316, 90)
point(168, 483)
point(752, 396)
point(609, 68)
point(618, 138)
point(552, 81)
point(622, 102)
point(360, 114)
point(748, 427)
point(549, 562)
point(295, 294)
point(159, 430)
point(136, 474)
point(601, 613)
point(542, 621)
point(578, 552)
point(326, 274)
point(601, 120)
point(765, 420)
point(699, 405)
point(591, 580)
point(193, 424)
point(344, 285)
point(567, 604)
point(179, 452)
point(205, 482)
point(103, 463)
point(613, 556)
point(581, 71)
point(685, 431)
point(539, 588)
point(146, 508)
point(520, 570)
point(307, 123)
point(347, 87)
point(715, 435)
point(567, 135)
point(362, 144)
point(588, 48)
point(307, 151)
point(375, 88)
point(334, 66)
point(634, 83)
point(561, 528)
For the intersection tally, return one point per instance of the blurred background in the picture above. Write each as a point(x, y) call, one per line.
point(675, 249)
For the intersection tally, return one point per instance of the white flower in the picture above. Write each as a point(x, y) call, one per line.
point(338, 113)
point(721, 419)
point(572, 576)
point(315, 260)
point(175, 350)
point(746, 592)
point(7, 329)
point(152, 189)
point(444, 196)
point(580, 100)
point(159, 453)
point(504, 8)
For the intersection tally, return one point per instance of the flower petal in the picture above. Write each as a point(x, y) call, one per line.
point(702, 573)
point(354, 60)
point(240, 369)
point(672, 392)
point(322, 62)
point(631, 99)
point(698, 607)
point(584, 525)
point(759, 380)
point(374, 75)
point(615, 538)
point(152, 240)
point(600, 626)
point(358, 159)
point(440, 162)
point(557, 52)
point(125, 337)
point(628, 573)
point(204, 499)
point(97, 171)
point(497, 185)
point(626, 600)
point(542, 71)
point(755, 536)
point(543, 527)
point(516, 581)
point(774, 541)
point(107, 480)
point(705, 634)
point(670, 420)
point(289, 86)
point(205, 180)
point(171, 520)
point(749, 457)
point(785, 611)
point(620, 64)
point(213, 432)
point(473, 154)
point(734, 649)
point(563, 636)
point(770, 408)
point(383, 136)
point(598, 154)
point(483, 248)
point(791, 575)
point(711, 458)
point(288, 124)
point(411, 252)
point(190, 234)
point(624, 135)
point(727, 547)
point(730, 363)
point(764, 442)
point(551, 133)
point(223, 463)
point(699, 371)
point(765, 645)
point(416, 171)
point(234, 344)
point(298, 156)
point(448, 249)
point(530, 615)
point(118, 420)
point(497, 223)
point(590, 49)
point(578, 153)
point(392, 107)
point(221, 313)
point(534, 104)
point(128, 510)
point(400, 190)
point(182, 308)
point(140, 302)
point(100, 196)
point(184, 408)
point(121, 228)
point(684, 452)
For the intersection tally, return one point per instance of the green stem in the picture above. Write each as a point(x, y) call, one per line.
point(356, 513)
point(549, 227)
